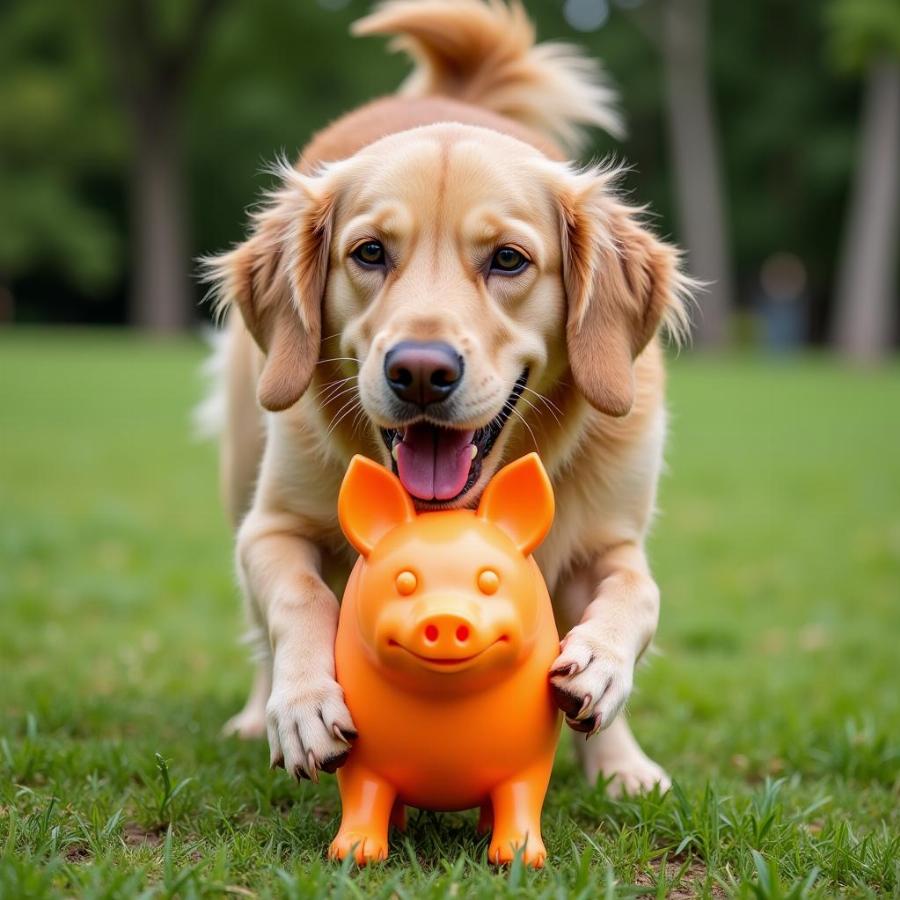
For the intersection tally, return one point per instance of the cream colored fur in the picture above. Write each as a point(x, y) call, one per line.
point(464, 161)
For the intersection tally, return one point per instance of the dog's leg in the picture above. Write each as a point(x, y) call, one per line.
point(250, 722)
point(308, 723)
point(608, 611)
point(614, 753)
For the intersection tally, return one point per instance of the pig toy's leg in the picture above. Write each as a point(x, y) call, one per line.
point(366, 802)
point(517, 816)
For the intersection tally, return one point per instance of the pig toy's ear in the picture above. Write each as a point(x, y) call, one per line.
point(519, 501)
point(371, 503)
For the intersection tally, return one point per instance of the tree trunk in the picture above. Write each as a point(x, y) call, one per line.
point(161, 296)
point(867, 287)
point(695, 157)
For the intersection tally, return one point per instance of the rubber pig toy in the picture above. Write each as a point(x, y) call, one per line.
point(445, 638)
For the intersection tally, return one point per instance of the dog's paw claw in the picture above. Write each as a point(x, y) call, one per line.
point(309, 729)
point(568, 703)
point(590, 682)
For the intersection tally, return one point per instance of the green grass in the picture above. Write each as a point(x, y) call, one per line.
point(773, 701)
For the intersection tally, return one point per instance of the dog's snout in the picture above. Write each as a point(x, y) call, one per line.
point(423, 372)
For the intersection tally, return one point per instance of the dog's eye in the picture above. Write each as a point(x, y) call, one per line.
point(509, 261)
point(371, 253)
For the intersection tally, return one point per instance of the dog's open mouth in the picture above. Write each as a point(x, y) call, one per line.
point(439, 463)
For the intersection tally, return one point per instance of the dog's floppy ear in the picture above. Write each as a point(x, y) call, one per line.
point(277, 280)
point(621, 282)
point(371, 503)
point(519, 500)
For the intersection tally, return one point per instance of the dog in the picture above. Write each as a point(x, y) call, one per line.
point(434, 285)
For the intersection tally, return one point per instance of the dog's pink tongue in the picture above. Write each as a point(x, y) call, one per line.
point(433, 463)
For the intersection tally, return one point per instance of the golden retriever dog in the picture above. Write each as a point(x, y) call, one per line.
point(435, 286)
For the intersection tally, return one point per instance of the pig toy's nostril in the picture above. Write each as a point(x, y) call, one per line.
point(462, 634)
point(431, 633)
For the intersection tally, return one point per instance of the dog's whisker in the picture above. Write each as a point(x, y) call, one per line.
point(551, 406)
point(348, 390)
point(345, 410)
point(332, 359)
point(544, 399)
point(536, 412)
point(531, 406)
point(358, 419)
point(338, 383)
point(513, 411)
point(342, 417)
point(333, 382)
point(336, 389)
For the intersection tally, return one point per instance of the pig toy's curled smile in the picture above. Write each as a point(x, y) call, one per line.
point(448, 664)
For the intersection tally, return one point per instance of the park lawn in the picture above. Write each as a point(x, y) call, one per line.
point(773, 699)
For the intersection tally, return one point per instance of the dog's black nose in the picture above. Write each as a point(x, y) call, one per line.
point(423, 372)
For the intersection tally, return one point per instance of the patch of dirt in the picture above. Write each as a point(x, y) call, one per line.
point(690, 885)
point(323, 813)
point(77, 853)
point(136, 836)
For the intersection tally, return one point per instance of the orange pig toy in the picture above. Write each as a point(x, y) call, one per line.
point(445, 638)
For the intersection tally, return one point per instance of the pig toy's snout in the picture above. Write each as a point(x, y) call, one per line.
point(445, 635)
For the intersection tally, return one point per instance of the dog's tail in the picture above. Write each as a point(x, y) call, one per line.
point(483, 52)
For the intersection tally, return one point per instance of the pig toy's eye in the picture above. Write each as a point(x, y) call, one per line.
point(488, 581)
point(406, 582)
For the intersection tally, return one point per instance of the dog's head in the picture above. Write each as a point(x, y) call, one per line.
point(454, 270)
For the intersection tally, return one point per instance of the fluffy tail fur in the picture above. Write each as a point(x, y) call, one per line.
point(483, 52)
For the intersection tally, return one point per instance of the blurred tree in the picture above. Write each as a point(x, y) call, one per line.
point(154, 48)
point(865, 38)
point(680, 32)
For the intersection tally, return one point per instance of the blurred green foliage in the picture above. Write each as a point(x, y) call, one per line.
point(61, 140)
point(274, 71)
point(863, 30)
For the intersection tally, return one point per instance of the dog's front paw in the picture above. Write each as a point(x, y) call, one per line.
point(635, 774)
point(590, 680)
point(309, 727)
